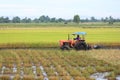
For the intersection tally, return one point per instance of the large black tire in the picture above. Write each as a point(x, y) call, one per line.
point(81, 46)
point(65, 47)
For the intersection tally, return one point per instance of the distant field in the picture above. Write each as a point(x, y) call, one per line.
point(37, 25)
point(50, 36)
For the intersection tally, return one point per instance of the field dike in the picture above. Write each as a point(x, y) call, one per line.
point(54, 45)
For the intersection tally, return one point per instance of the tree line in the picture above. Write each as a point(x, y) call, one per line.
point(45, 19)
point(41, 19)
point(109, 20)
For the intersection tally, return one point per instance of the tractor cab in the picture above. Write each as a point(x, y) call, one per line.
point(75, 40)
point(79, 36)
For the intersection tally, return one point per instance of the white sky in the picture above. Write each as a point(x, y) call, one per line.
point(60, 8)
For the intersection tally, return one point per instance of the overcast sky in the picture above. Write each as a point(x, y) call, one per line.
point(60, 8)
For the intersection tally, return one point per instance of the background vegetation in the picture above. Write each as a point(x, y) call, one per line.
point(46, 19)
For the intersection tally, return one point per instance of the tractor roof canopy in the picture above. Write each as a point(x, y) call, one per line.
point(79, 33)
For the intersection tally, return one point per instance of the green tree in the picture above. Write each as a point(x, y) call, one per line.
point(53, 20)
point(76, 19)
point(61, 20)
point(106, 19)
point(93, 19)
point(1, 19)
point(44, 18)
point(26, 20)
point(6, 20)
point(36, 20)
point(16, 19)
point(111, 20)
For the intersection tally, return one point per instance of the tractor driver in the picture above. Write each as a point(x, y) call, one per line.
point(78, 37)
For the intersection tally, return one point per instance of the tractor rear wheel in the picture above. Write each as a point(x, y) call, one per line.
point(81, 46)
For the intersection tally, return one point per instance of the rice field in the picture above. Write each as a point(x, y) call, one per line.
point(47, 64)
point(36, 60)
point(49, 36)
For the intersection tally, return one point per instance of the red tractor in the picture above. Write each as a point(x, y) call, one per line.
point(78, 42)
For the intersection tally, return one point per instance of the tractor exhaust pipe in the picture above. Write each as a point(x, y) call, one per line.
point(68, 36)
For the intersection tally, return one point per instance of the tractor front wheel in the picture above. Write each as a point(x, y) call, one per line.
point(65, 47)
